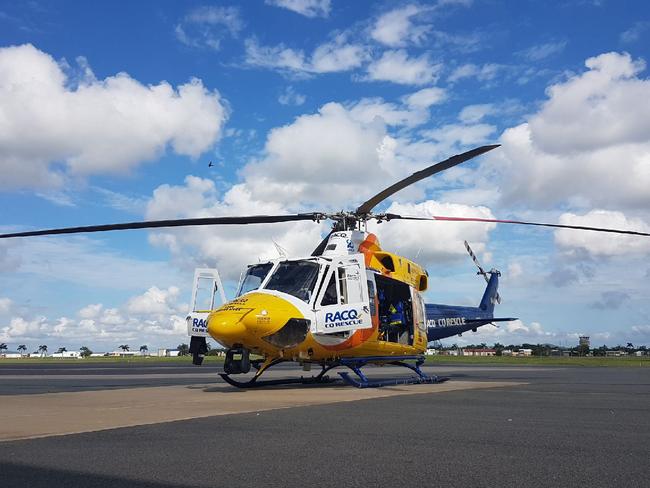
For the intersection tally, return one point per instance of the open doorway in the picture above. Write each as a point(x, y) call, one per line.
point(395, 311)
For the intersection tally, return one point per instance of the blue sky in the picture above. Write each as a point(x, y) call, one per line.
point(110, 112)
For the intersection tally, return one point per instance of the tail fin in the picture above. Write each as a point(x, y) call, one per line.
point(490, 296)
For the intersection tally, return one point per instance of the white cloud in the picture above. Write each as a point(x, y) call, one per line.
point(5, 305)
point(366, 109)
point(9, 261)
point(154, 301)
point(433, 242)
point(48, 259)
point(451, 135)
point(426, 97)
point(486, 72)
point(308, 8)
point(334, 56)
point(207, 26)
point(634, 33)
point(151, 318)
point(588, 144)
point(474, 113)
point(318, 158)
point(398, 67)
point(229, 248)
point(543, 51)
point(316, 162)
point(597, 245)
point(515, 270)
point(91, 311)
point(410, 25)
point(516, 332)
point(396, 28)
point(50, 131)
point(291, 97)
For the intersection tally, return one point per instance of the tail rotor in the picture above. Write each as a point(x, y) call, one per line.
point(482, 271)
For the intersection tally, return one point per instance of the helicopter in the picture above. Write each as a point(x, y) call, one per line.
point(348, 304)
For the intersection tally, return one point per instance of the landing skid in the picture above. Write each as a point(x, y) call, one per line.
point(363, 382)
point(262, 366)
point(355, 364)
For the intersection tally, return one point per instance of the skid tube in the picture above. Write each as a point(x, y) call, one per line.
point(354, 364)
point(263, 365)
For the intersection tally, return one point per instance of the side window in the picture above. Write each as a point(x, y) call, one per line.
point(371, 294)
point(205, 291)
point(330, 296)
point(343, 286)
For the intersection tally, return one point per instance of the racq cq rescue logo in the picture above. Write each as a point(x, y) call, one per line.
point(346, 318)
point(446, 322)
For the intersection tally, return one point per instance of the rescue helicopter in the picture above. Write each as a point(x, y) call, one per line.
point(348, 304)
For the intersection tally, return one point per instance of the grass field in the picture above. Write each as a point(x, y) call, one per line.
point(134, 359)
point(628, 361)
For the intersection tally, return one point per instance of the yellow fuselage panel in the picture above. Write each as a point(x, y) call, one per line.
point(406, 270)
point(247, 320)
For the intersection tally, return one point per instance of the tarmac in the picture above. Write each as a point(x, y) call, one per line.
point(170, 425)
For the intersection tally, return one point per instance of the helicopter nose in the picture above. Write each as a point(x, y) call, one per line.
point(258, 320)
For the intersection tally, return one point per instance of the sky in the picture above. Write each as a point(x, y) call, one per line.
point(111, 112)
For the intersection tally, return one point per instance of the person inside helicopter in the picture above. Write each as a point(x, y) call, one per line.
point(395, 316)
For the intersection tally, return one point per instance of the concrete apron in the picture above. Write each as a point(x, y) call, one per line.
point(44, 415)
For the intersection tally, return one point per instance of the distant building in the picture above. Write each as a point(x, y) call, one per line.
point(525, 352)
point(583, 341)
point(449, 352)
point(67, 354)
point(478, 352)
point(168, 353)
point(121, 353)
point(431, 352)
point(11, 355)
point(615, 354)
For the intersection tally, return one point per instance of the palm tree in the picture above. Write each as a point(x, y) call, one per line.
point(183, 349)
point(3, 347)
point(144, 349)
point(85, 352)
point(61, 350)
point(42, 349)
point(124, 347)
point(22, 348)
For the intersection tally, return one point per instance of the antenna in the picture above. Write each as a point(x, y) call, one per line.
point(282, 252)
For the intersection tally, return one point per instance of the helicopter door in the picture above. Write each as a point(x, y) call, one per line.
point(343, 304)
point(207, 294)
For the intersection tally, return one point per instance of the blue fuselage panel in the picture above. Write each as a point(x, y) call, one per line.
point(448, 320)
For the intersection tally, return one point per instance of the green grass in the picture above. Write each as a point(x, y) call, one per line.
point(627, 361)
point(134, 359)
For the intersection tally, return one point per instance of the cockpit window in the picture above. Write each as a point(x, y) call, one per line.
point(254, 277)
point(297, 278)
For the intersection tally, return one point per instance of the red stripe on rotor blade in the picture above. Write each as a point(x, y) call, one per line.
point(540, 224)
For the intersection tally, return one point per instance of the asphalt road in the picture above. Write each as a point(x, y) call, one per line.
point(565, 427)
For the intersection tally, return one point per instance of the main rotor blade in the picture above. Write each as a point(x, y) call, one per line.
point(366, 207)
point(520, 222)
point(151, 224)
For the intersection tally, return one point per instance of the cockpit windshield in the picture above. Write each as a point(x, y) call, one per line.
point(254, 277)
point(297, 278)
